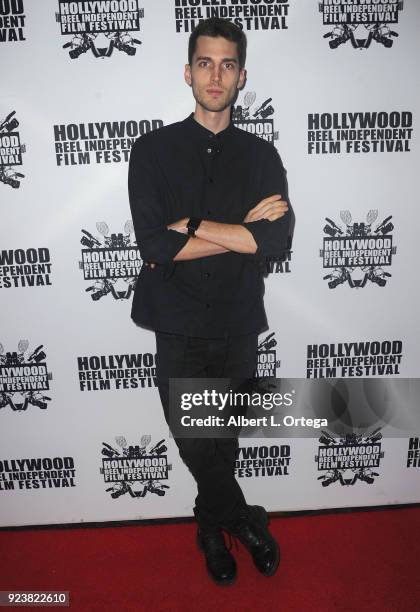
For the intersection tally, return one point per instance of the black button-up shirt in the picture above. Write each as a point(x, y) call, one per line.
point(184, 170)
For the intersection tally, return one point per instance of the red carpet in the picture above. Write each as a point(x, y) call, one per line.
point(331, 562)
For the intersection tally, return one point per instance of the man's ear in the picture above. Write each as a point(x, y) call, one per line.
point(242, 78)
point(187, 74)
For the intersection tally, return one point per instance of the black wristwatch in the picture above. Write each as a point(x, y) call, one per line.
point(193, 225)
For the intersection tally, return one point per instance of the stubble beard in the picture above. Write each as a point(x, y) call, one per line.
point(217, 105)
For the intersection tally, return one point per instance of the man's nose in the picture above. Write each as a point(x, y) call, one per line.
point(216, 74)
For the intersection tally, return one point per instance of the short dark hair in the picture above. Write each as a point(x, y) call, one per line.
point(215, 26)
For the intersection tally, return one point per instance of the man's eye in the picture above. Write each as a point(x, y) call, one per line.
point(203, 64)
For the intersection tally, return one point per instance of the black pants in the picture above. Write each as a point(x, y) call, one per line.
point(210, 461)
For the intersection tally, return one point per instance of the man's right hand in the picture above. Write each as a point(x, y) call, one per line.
point(271, 208)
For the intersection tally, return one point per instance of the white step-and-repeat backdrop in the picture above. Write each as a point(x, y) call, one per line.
point(334, 86)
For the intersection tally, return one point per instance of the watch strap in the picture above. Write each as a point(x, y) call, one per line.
point(193, 225)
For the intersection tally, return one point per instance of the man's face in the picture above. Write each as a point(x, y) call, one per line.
point(214, 74)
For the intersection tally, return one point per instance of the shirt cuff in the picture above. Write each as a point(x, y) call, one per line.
point(175, 241)
point(258, 230)
point(270, 236)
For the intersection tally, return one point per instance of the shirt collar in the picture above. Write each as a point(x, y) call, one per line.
point(201, 133)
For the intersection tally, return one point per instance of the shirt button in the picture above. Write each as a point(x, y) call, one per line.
point(206, 274)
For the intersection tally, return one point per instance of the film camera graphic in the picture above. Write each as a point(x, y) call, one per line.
point(358, 252)
point(244, 113)
point(82, 43)
point(27, 370)
point(347, 475)
point(267, 362)
point(100, 30)
point(153, 467)
point(102, 259)
point(10, 151)
point(361, 36)
point(253, 118)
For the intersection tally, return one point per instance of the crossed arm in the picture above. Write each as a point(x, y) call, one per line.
point(162, 244)
point(213, 238)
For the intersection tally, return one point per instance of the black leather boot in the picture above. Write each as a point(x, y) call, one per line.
point(252, 531)
point(221, 566)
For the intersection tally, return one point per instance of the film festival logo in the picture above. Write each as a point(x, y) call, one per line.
point(354, 359)
point(246, 14)
point(11, 151)
point(413, 453)
point(357, 249)
point(12, 21)
point(100, 26)
point(115, 372)
point(361, 22)
point(360, 132)
point(349, 459)
point(37, 473)
point(102, 142)
point(136, 470)
point(262, 461)
point(24, 378)
point(20, 268)
point(255, 118)
point(267, 362)
point(112, 262)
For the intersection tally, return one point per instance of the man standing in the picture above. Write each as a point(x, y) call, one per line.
point(207, 207)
